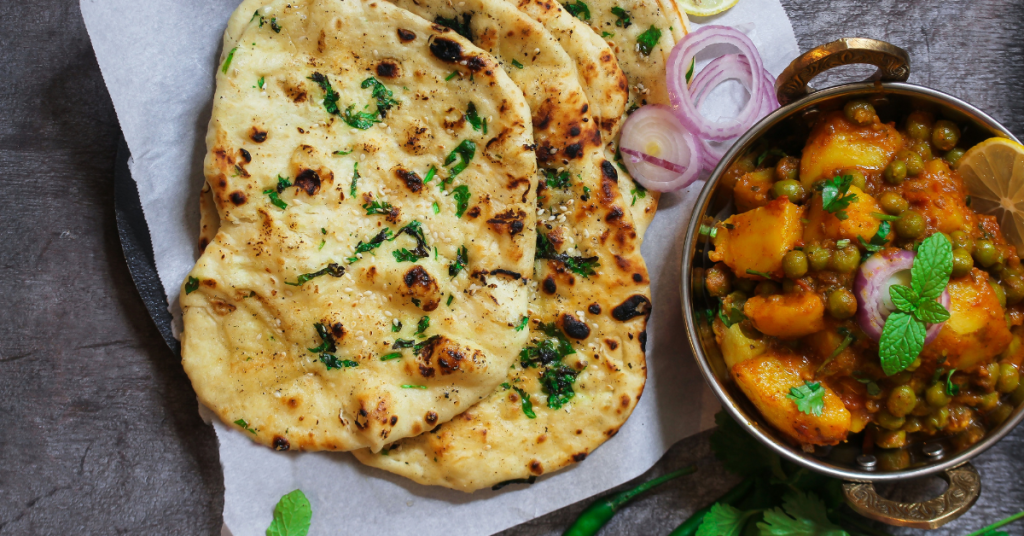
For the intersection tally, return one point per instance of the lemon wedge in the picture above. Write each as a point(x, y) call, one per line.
point(704, 8)
point(993, 172)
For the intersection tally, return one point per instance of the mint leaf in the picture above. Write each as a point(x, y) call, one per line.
point(723, 520)
point(901, 342)
point(809, 398)
point(904, 298)
point(292, 516)
point(931, 312)
point(801, 514)
point(932, 266)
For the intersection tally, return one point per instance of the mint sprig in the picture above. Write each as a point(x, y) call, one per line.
point(905, 329)
point(292, 515)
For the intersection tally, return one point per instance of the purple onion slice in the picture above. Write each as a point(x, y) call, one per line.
point(882, 270)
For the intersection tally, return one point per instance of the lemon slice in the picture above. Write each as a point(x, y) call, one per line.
point(704, 8)
point(993, 172)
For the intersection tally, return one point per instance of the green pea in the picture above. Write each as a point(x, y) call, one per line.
point(791, 189)
point(794, 264)
point(744, 285)
point(985, 252)
point(922, 148)
point(962, 262)
point(953, 156)
point(788, 169)
point(893, 203)
point(859, 112)
point(1000, 293)
point(936, 395)
point(1017, 397)
point(891, 458)
point(988, 401)
point(911, 225)
point(901, 400)
point(1009, 378)
point(913, 162)
point(889, 421)
point(890, 439)
point(818, 257)
point(945, 135)
point(918, 126)
point(999, 415)
point(845, 260)
point(859, 180)
point(938, 418)
point(842, 304)
point(1014, 287)
point(912, 425)
point(896, 172)
point(961, 240)
point(767, 288)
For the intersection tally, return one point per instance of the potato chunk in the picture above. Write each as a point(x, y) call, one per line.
point(858, 222)
point(836, 144)
point(751, 190)
point(737, 347)
point(940, 197)
point(758, 239)
point(767, 379)
point(976, 331)
point(787, 316)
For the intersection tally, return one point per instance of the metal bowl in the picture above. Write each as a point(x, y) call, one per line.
point(892, 98)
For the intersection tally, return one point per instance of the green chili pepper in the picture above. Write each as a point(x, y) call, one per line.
point(600, 512)
point(690, 526)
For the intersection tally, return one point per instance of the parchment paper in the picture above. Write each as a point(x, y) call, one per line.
point(158, 59)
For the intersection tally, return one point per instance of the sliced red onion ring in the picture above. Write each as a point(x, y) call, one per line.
point(683, 100)
point(876, 275)
point(660, 154)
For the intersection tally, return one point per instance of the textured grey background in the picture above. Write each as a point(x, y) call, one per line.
point(98, 426)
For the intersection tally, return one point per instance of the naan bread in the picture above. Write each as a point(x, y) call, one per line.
point(294, 310)
point(590, 292)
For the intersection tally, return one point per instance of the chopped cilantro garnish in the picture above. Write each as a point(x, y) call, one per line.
point(472, 117)
point(638, 192)
point(392, 355)
point(579, 10)
point(396, 326)
point(578, 264)
point(548, 351)
point(332, 362)
point(330, 96)
point(646, 41)
point(809, 398)
point(436, 207)
point(461, 27)
point(516, 64)
point(836, 196)
point(274, 25)
point(245, 426)
point(430, 175)
point(408, 386)
point(461, 195)
point(762, 274)
point(553, 179)
point(764, 155)
point(381, 94)
point(556, 382)
point(607, 34)
point(422, 325)
point(343, 153)
point(377, 207)
point(374, 243)
point(360, 120)
point(403, 343)
point(355, 179)
point(191, 285)
point(227, 61)
point(404, 255)
point(282, 184)
point(335, 270)
point(275, 199)
point(523, 323)
point(464, 153)
point(262, 82)
point(453, 75)
point(879, 240)
point(622, 16)
point(461, 261)
point(327, 340)
point(527, 405)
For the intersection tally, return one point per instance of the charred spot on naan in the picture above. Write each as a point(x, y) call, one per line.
point(440, 354)
point(419, 285)
point(509, 222)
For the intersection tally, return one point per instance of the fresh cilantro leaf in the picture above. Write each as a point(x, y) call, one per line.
point(801, 514)
point(422, 325)
point(884, 217)
point(274, 25)
point(527, 405)
point(638, 192)
point(335, 270)
point(461, 261)
point(556, 382)
point(580, 265)
point(404, 255)
point(292, 516)
point(332, 362)
point(689, 73)
point(343, 153)
point(762, 274)
point(262, 82)
point(408, 386)
point(730, 314)
point(374, 243)
point(952, 389)
point(548, 351)
point(396, 326)
point(327, 344)
point(436, 208)
point(360, 120)
point(607, 34)
point(275, 199)
point(227, 61)
point(879, 240)
point(331, 97)
point(901, 342)
point(554, 179)
point(904, 298)
point(523, 323)
point(355, 180)
point(403, 343)
point(724, 520)
point(809, 398)
point(191, 285)
point(872, 387)
point(764, 156)
point(516, 64)
point(245, 426)
point(646, 41)
point(461, 195)
point(451, 298)
point(579, 10)
point(932, 266)
point(836, 196)
point(622, 19)
point(461, 27)
point(931, 312)
point(464, 153)
point(283, 184)
point(381, 94)
point(376, 207)
point(430, 175)
point(392, 355)
point(473, 117)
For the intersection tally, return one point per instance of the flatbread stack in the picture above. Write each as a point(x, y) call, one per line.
point(416, 241)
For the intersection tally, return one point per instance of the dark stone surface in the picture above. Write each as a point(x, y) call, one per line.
point(100, 433)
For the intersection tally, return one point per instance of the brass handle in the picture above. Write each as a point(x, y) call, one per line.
point(892, 61)
point(964, 488)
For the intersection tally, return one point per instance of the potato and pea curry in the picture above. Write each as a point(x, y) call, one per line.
point(857, 290)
